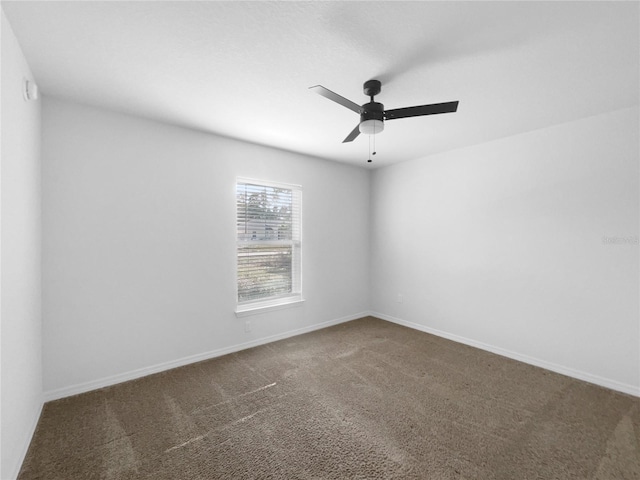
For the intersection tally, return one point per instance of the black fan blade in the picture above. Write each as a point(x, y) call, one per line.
point(433, 109)
point(352, 136)
point(320, 90)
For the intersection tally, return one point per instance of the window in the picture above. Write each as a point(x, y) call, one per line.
point(268, 245)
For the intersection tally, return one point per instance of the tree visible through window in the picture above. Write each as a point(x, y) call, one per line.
point(268, 242)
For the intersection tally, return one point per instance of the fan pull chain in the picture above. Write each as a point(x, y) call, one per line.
point(374, 140)
point(374, 144)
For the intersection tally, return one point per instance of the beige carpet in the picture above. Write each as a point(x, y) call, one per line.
point(367, 399)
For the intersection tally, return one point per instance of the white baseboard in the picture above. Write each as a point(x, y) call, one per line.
point(142, 372)
point(570, 372)
point(27, 441)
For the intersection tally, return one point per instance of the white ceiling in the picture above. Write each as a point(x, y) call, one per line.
point(242, 69)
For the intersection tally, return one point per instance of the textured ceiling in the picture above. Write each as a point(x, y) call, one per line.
point(242, 69)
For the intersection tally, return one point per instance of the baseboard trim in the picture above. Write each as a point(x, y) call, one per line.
point(27, 442)
point(570, 372)
point(143, 372)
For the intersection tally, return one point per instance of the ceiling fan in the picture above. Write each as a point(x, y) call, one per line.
point(373, 114)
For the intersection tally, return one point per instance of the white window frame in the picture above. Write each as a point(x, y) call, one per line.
point(295, 297)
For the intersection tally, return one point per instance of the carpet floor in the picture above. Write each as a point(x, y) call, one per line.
point(366, 399)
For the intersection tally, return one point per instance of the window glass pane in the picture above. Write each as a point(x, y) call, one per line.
point(264, 213)
point(269, 241)
point(263, 271)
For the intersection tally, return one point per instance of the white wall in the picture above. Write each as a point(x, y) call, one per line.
point(139, 244)
point(20, 319)
point(498, 245)
point(501, 246)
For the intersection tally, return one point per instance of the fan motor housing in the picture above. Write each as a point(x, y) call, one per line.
point(371, 118)
point(372, 111)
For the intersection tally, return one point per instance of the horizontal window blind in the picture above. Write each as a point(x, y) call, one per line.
point(268, 241)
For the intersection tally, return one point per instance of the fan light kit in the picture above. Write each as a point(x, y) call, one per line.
point(373, 114)
point(371, 127)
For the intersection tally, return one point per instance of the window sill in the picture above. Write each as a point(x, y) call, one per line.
point(264, 307)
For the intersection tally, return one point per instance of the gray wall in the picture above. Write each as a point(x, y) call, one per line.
point(20, 318)
point(527, 246)
point(139, 245)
